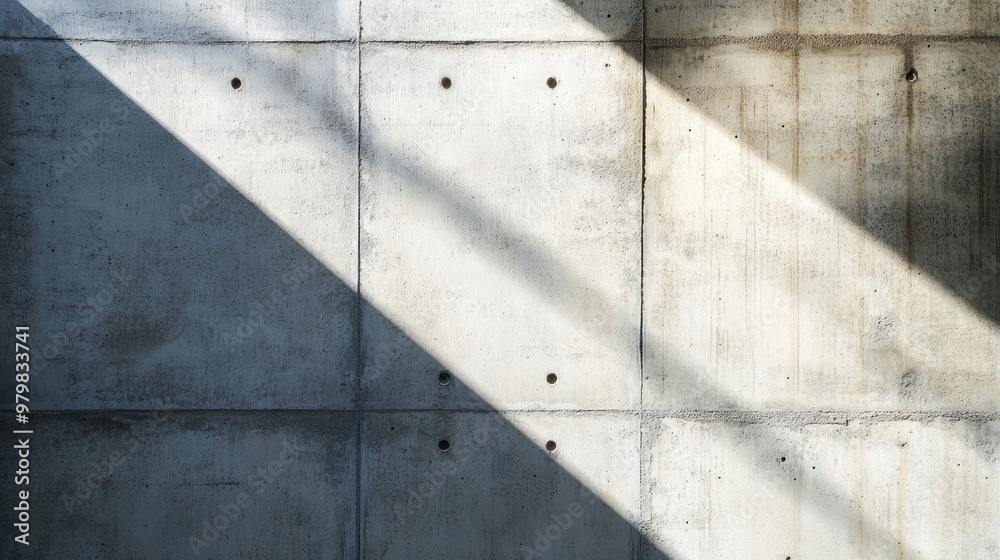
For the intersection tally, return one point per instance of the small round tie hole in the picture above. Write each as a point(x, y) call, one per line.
point(550, 446)
point(236, 83)
point(444, 378)
point(552, 83)
point(551, 378)
point(911, 75)
point(443, 445)
point(782, 459)
point(446, 82)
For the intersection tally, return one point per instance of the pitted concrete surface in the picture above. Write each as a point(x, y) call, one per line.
point(562, 279)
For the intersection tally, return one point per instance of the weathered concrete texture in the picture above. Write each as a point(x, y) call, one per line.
point(184, 234)
point(690, 19)
point(501, 20)
point(245, 205)
point(497, 492)
point(143, 485)
point(959, 17)
point(183, 20)
point(820, 232)
point(465, 224)
point(820, 487)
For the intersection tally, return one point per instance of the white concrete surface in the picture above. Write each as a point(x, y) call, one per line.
point(499, 20)
point(176, 20)
point(534, 234)
point(820, 486)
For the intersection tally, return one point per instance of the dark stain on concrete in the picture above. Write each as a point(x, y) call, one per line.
point(136, 335)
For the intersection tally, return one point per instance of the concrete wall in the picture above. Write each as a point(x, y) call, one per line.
point(594, 279)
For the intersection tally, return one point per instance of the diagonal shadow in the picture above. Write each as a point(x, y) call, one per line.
point(934, 204)
point(941, 223)
point(467, 217)
point(428, 361)
point(133, 298)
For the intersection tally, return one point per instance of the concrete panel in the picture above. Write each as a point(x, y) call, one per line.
point(820, 486)
point(499, 229)
point(926, 17)
point(719, 253)
point(834, 21)
point(497, 492)
point(177, 20)
point(180, 218)
point(918, 294)
point(811, 243)
point(693, 18)
point(497, 20)
point(176, 235)
point(146, 485)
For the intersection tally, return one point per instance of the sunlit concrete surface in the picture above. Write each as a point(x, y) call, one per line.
point(867, 284)
point(178, 20)
point(536, 235)
point(501, 20)
point(562, 279)
point(759, 485)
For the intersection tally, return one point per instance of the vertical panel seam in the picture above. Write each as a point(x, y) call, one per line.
point(638, 552)
point(358, 362)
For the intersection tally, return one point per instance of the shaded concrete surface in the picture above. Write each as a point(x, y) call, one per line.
point(493, 493)
point(154, 485)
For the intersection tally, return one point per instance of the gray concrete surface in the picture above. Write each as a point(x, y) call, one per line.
point(154, 485)
point(724, 287)
point(154, 268)
point(578, 507)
